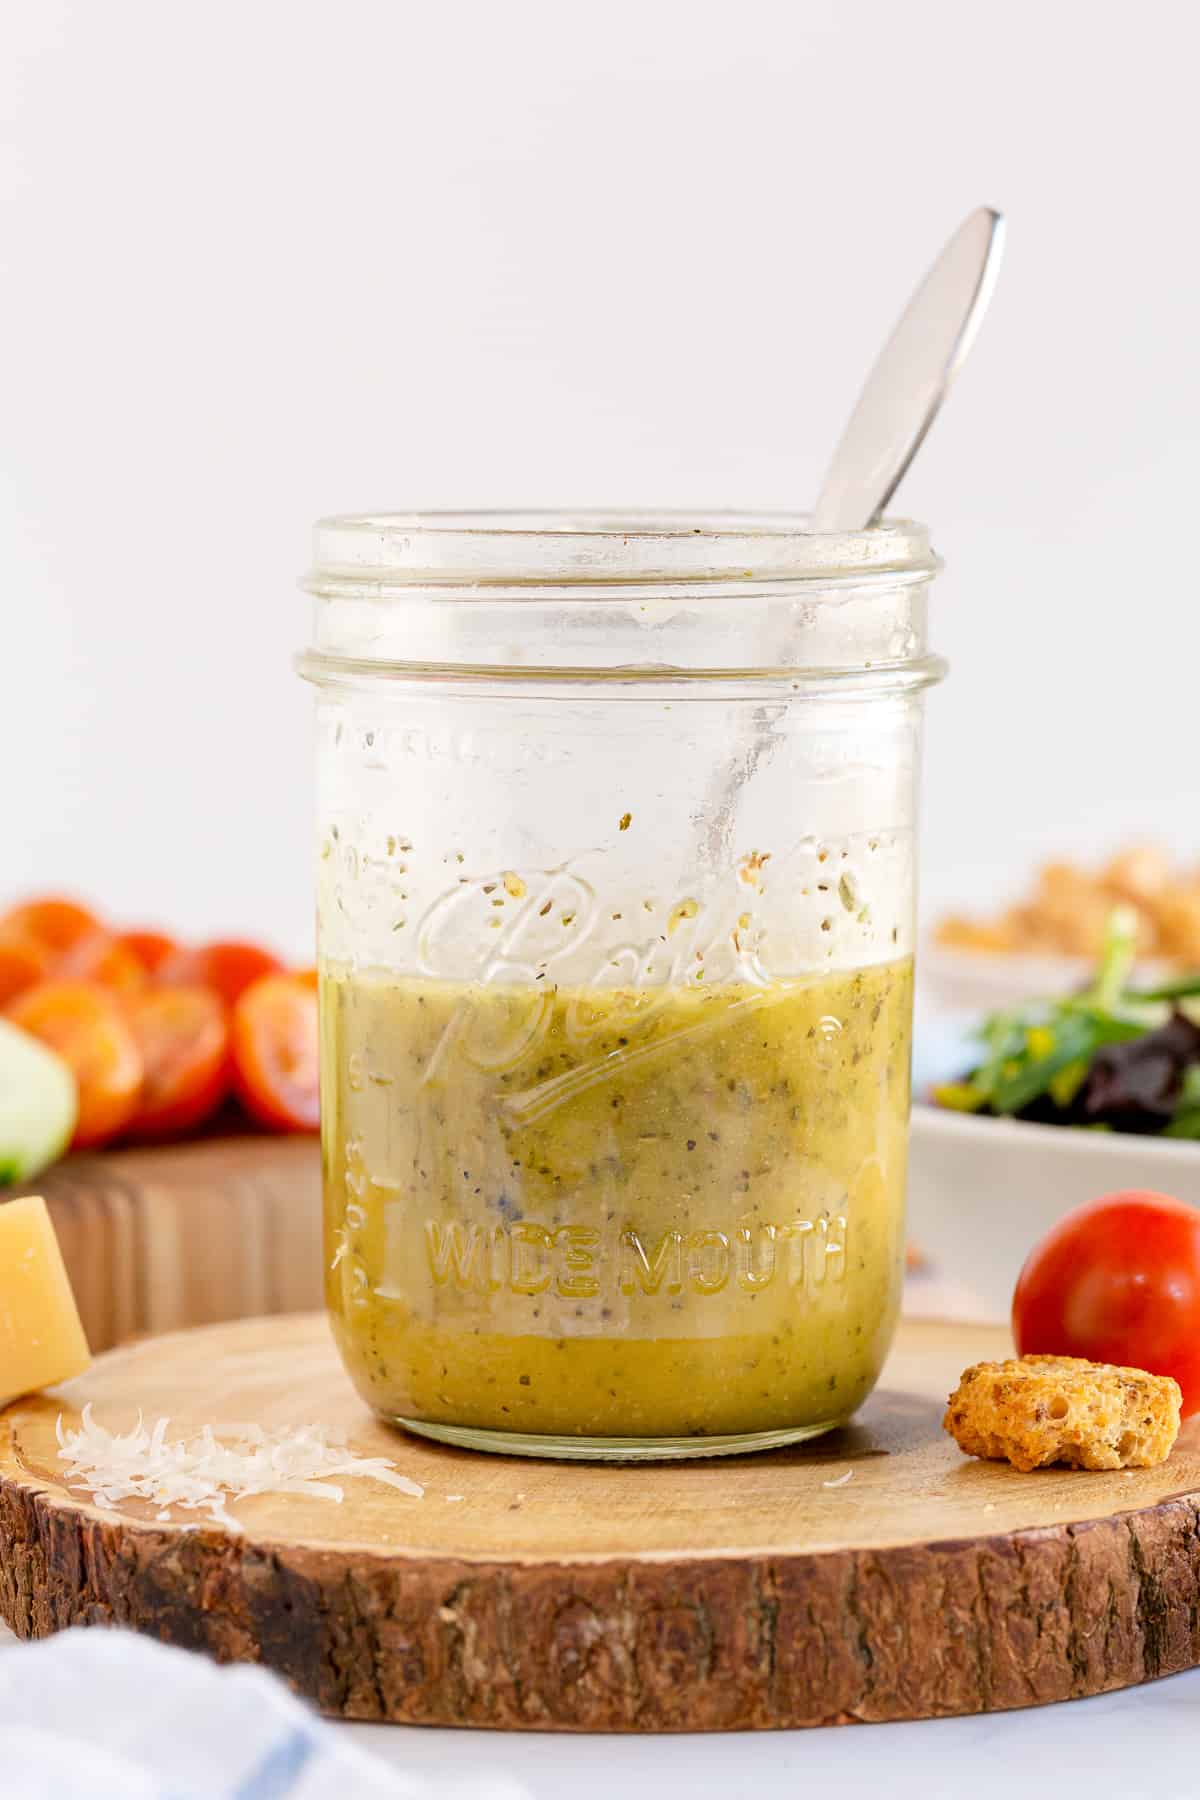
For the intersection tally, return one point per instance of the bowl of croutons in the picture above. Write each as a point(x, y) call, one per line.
point(1049, 938)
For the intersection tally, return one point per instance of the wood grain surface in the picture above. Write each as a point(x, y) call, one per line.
point(173, 1235)
point(743, 1592)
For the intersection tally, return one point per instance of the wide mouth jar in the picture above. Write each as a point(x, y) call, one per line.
point(616, 828)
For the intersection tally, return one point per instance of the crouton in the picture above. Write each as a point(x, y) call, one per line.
point(1060, 1409)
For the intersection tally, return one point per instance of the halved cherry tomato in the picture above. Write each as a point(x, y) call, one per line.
point(1118, 1281)
point(228, 968)
point(105, 960)
point(23, 961)
point(85, 1025)
point(151, 948)
point(183, 1035)
point(57, 923)
point(275, 1050)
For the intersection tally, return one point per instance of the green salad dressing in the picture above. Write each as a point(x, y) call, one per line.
point(615, 1213)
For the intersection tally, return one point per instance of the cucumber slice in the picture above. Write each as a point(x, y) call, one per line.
point(38, 1105)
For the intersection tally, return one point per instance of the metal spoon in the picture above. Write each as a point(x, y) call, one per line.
point(911, 377)
point(898, 404)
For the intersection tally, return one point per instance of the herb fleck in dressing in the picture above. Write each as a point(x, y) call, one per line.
point(605, 1212)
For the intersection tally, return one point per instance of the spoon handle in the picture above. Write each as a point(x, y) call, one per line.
point(911, 377)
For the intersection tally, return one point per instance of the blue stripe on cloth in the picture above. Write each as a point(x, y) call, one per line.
point(276, 1774)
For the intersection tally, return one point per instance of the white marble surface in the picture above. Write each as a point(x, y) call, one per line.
point(1143, 1742)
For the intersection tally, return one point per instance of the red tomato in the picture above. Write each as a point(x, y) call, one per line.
point(85, 1025)
point(228, 968)
point(1118, 1281)
point(183, 1035)
point(55, 922)
point(275, 1052)
point(151, 948)
point(105, 960)
point(23, 961)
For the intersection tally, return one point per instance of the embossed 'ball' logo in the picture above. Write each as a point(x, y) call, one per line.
point(518, 934)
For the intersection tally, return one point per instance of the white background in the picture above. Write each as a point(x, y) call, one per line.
point(261, 260)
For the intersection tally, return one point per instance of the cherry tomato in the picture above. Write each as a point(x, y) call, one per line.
point(23, 961)
point(57, 923)
point(228, 968)
point(105, 960)
point(85, 1025)
point(183, 1035)
point(1118, 1281)
point(151, 948)
point(275, 1052)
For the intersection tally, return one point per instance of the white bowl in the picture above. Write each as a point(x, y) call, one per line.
point(981, 1192)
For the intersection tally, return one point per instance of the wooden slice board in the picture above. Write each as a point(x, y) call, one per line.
point(742, 1592)
point(188, 1234)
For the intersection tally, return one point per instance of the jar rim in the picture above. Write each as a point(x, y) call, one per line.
point(620, 546)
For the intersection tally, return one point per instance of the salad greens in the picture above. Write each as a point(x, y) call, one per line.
point(1113, 1057)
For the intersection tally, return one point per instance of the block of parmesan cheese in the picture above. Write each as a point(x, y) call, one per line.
point(41, 1337)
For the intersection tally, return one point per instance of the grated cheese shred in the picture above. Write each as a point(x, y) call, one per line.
point(202, 1473)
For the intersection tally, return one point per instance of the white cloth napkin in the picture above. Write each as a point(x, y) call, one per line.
point(108, 1715)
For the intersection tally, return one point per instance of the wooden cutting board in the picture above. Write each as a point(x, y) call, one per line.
point(188, 1234)
point(741, 1592)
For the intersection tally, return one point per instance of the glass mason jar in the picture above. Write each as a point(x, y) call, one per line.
point(616, 822)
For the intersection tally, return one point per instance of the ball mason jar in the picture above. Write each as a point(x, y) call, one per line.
point(616, 836)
